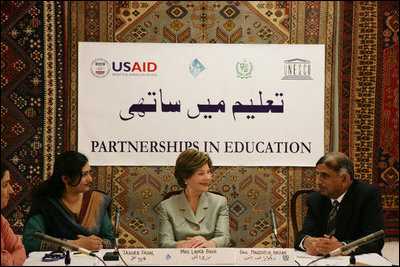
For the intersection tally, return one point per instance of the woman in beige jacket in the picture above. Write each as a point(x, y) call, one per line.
point(195, 218)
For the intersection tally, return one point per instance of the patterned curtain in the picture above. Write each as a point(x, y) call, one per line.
point(369, 97)
point(34, 96)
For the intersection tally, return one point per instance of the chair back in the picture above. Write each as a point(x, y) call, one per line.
point(177, 192)
point(293, 209)
point(171, 193)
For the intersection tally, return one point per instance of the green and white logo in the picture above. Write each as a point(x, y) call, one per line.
point(244, 69)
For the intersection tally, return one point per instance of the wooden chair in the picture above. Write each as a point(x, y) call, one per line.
point(293, 204)
point(171, 193)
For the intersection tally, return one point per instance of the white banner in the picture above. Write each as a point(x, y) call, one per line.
point(246, 105)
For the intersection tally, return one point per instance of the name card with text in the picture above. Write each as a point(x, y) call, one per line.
point(266, 256)
point(149, 256)
point(206, 256)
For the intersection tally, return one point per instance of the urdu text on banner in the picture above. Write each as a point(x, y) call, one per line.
point(142, 104)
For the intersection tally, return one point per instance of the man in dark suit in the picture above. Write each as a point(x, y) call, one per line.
point(359, 211)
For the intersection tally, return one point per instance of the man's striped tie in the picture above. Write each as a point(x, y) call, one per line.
point(331, 226)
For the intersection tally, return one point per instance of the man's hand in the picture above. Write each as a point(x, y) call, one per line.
point(327, 244)
point(308, 244)
point(321, 245)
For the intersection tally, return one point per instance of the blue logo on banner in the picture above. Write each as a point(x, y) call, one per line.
point(196, 67)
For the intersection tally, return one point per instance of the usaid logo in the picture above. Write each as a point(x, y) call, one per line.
point(141, 67)
point(297, 69)
point(100, 68)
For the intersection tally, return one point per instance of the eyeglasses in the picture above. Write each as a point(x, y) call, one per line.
point(54, 256)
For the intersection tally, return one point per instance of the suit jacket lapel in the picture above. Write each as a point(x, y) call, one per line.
point(326, 208)
point(344, 212)
point(185, 208)
point(202, 208)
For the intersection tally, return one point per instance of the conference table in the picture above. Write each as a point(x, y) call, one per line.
point(215, 256)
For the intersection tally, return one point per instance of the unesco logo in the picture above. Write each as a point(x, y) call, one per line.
point(100, 68)
point(297, 69)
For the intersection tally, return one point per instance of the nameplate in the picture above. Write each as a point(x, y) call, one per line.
point(265, 256)
point(206, 256)
point(149, 256)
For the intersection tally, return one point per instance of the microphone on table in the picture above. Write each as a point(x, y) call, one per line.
point(114, 256)
point(355, 244)
point(346, 249)
point(275, 239)
point(62, 243)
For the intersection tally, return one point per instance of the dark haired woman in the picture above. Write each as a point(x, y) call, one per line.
point(64, 207)
point(12, 250)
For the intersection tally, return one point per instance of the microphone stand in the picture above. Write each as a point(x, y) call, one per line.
point(114, 256)
point(274, 240)
point(352, 258)
point(67, 259)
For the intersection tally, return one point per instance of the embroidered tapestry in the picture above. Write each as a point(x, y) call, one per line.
point(34, 96)
point(39, 100)
point(369, 97)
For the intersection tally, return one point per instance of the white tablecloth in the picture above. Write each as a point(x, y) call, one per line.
point(301, 258)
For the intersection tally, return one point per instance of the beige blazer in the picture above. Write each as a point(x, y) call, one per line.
point(177, 220)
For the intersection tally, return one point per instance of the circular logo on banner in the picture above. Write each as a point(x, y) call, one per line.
point(244, 69)
point(100, 67)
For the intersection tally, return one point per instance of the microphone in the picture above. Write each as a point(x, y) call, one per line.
point(273, 220)
point(62, 243)
point(116, 234)
point(275, 239)
point(114, 256)
point(355, 244)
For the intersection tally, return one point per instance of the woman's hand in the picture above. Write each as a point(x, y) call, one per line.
point(196, 242)
point(88, 242)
